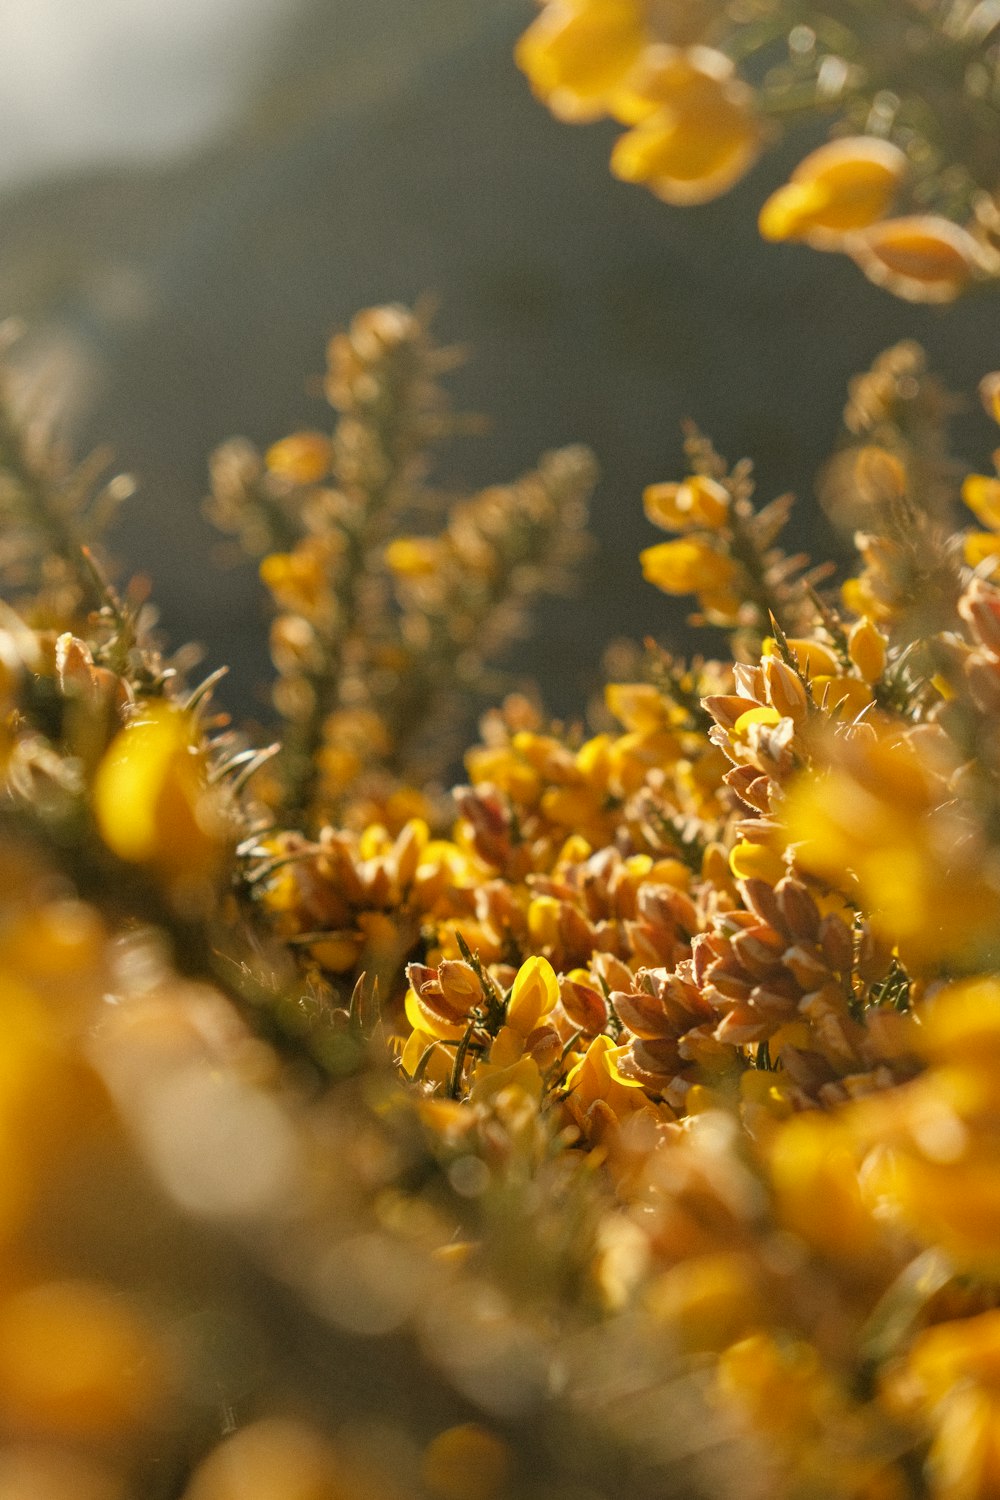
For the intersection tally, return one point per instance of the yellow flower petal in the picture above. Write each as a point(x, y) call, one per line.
point(304, 457)
point(980, 545)
point(534, 994)
point(414, 556)
point(981, 493)
point(846, 185)
point(756, 861)
point(151, 797)
point(577, 56)
point(701, 139)
point(924, 258)
point(686, 566)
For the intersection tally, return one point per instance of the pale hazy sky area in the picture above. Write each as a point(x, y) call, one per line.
point(97, 82)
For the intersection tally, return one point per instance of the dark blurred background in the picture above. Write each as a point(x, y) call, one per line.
point(196, 196)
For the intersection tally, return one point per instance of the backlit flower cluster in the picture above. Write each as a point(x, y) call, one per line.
point(625, 1122)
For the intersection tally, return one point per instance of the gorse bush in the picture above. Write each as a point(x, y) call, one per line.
point(624, 1122)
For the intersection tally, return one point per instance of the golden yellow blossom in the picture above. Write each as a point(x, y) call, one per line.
point(304, 457)
point(814, 1171)
point(709, 1301)
point(597, 1092)
point(535, 992)
point(689, 566)
point(300, 580)
point(152, 799)
point(781, 1387)
point(924, 258)
point(881, 817)
point(866, 646)
point(578, 53)
point(702, 134)
point(844, 186)
point(981, 493)
point(695, 502)
point(414, 556)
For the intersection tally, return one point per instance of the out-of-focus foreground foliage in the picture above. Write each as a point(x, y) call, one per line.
point(623, 1122)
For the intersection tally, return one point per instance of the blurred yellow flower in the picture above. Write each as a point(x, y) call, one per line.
point(688, 566)
point(414, 556)
point(274, 1458)
point(78, 1361)
point(698, 133)
point(845, 185)
point(697, 501)
point(304, 457)
point(300, 579)
point(577, 54)
point(882, 818)
point(924, 258)
point(152, 799)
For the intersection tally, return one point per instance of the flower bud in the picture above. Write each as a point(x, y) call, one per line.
point(866, 646)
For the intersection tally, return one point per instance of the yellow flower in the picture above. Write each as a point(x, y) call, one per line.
point(812, 656)
point(431, 1012)
point(932, 1144)
point(949, 1378)
point(962, 1025)
point(687, 566)
point(596, 1079)
point(779, 1386)
point(414, 556)
point(424, 1052)
point(638, 705)
point(814, 1171)
point(878, 817)
point(978, 546)
point(749, 861)
point(534, 995)
point(304, 457)
point(846, 185)
point(924, 258)
point(981, 493)
point(695, 502)
point(842, 697)
point(866, 646)
point(501, 766)
point(300, 580)
point(943, 1356)
point(707, 1301)
point(702, 136)
point(578, 53)
point(152, 800)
